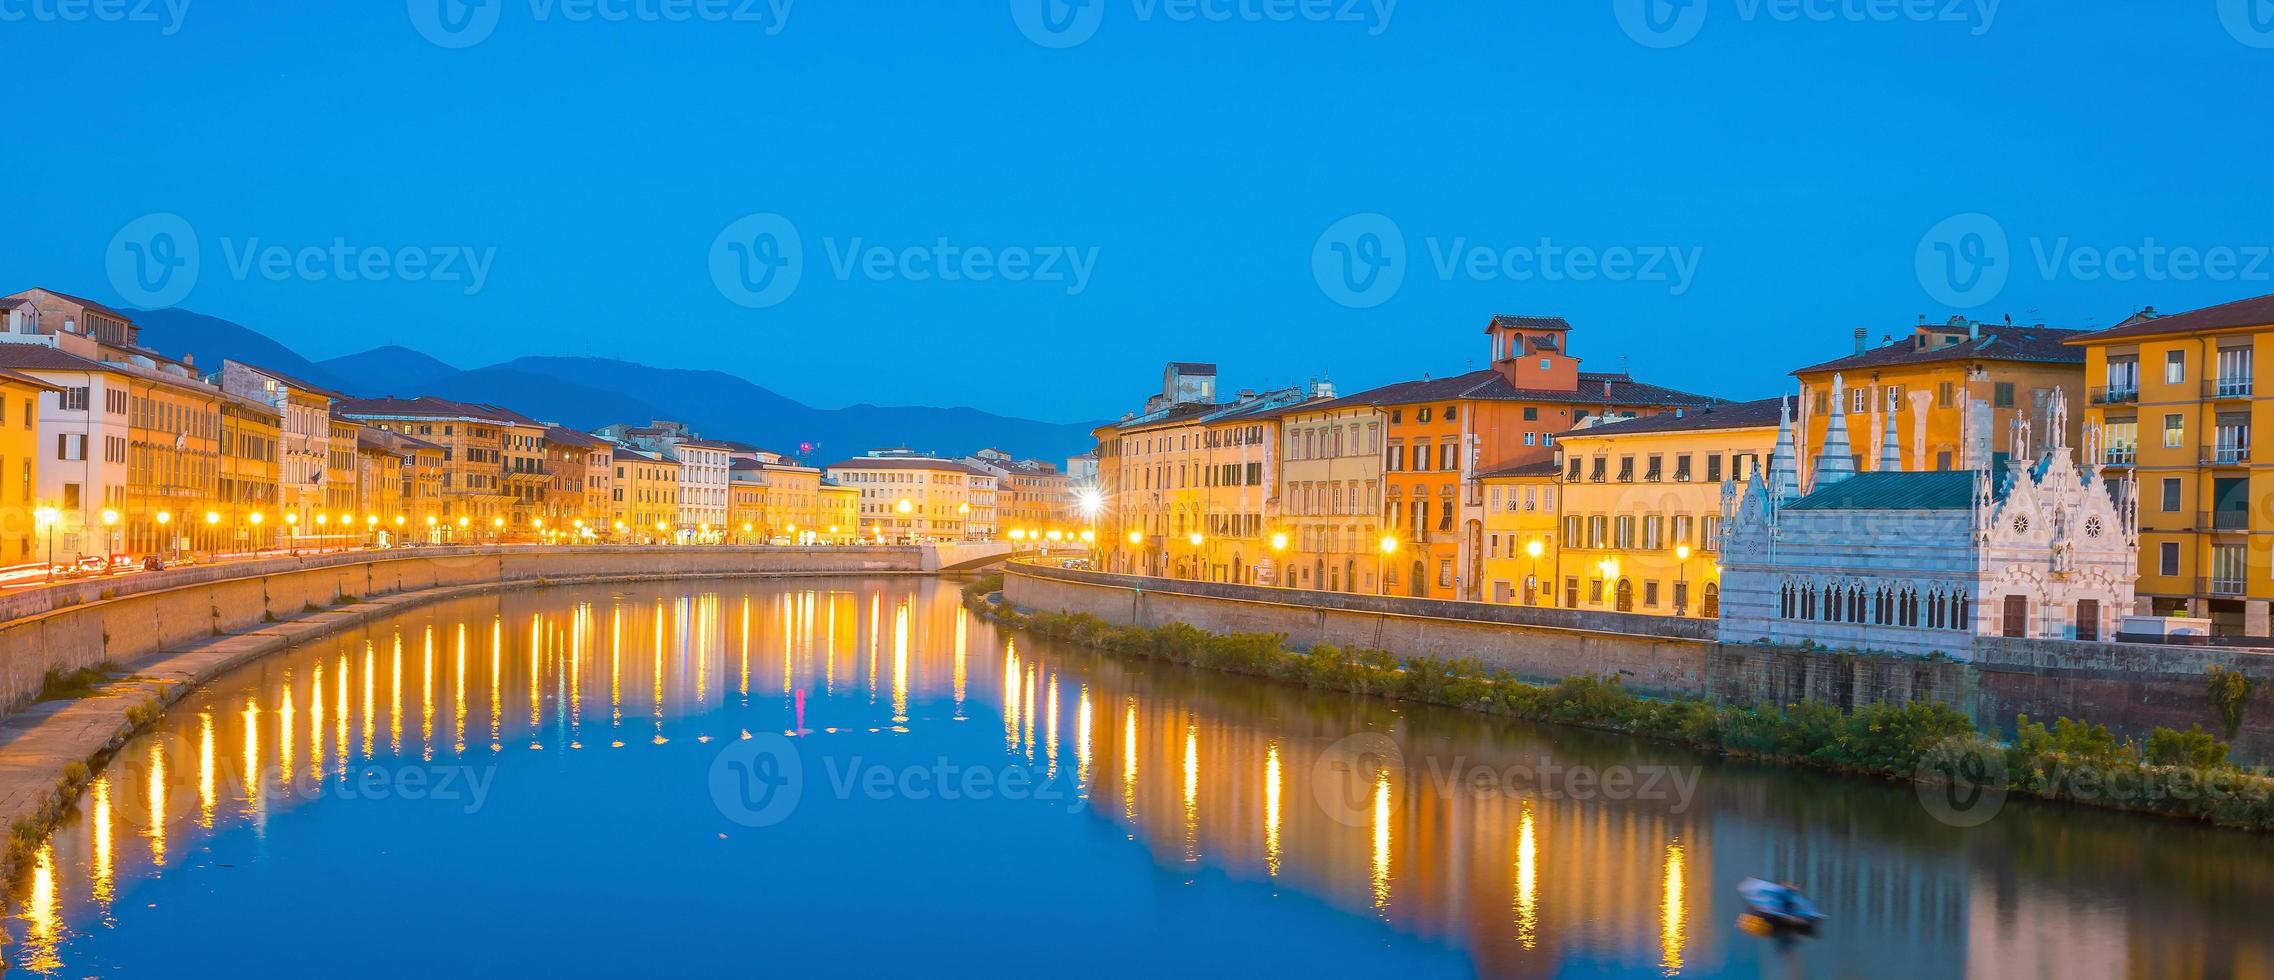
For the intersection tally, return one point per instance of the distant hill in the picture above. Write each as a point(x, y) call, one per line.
point(589, 392)
point(208, 339)
point(400, 366)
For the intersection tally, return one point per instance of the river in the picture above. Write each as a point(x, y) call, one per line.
point(844, 776)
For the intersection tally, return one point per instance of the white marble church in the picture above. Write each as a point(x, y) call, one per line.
point(1921, 563)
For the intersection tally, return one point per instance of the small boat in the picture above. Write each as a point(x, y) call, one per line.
point(1778, 904)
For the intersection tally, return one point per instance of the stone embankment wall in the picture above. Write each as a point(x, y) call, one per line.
point(2131, 688)
point(117, 621)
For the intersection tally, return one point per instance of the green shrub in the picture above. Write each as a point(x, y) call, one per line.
point(2229, 692)
point(2193, 748)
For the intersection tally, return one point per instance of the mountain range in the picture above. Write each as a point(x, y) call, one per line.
point(589, 392)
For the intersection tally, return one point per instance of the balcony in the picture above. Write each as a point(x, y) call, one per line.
point(2222, 520)
point(2227, 456)
point(2214, 585)
point(2215, 389)
point(2115, 395)
point(2120, 457)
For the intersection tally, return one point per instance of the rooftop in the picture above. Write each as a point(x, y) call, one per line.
point(82, 301)
point(430, 407)
point(1996, 342)
point(1595, 388)
point(1526, 321)
point(906, 463)
point(1760, 414)
point(2257, 311)
point(1545, 467)
point(1948, 490)
point(287, 380)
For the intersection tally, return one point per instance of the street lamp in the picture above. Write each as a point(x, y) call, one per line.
point(110, 520)
point(1681, 579)
point(46, 518)
point(165, 517)
point(1534, 548)
point(1388, 547)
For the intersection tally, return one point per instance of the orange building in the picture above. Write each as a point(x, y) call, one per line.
point(1955, 388)
point(1441, 433)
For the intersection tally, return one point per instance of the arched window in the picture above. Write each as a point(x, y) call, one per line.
point(1910, 607)
point(1961, 612)
point(1626, 595)
point(1784, 601)
point(1712, 608)
point(1855, 603)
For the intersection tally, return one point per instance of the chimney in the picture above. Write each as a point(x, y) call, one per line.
point(1974, 329)
point(1860, 334)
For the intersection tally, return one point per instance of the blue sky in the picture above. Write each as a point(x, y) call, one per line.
point(1768, 176)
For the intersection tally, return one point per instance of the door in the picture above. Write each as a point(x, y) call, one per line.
point(2088, 619)
point(2016, 616)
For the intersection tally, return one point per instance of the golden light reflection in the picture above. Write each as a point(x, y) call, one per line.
point(616, 667)
point(1271, 809)
point(284, 732)
point(900, 663)
point(744, 688)
point(876, 636)
point(370, 694)
point(339, 720)
point(1011, 673)
point(538, 629)
point(962, 645)
point(1382, 840)
point(1050, 727)
point(251, 779)
point(395, 699)
point(40, 910)
point(458, 697)
point(426, 696)
point(99, 816)
point(156, 792)
point(205, 769)
point(1671, 912)
point(1191, 792)
point(1129, 760)
point(497, 689)
point(1026, 711)
point(316, 722)
point(1082, 725)
point(1527, 880)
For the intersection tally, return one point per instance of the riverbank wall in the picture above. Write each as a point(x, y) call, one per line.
point(75, 625)
point(2131, 688)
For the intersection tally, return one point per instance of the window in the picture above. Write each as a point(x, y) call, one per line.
point(1650, 594)
point(2171, 495)
point(1531, 414)
point(1823, 401)
point(1859, 399)
point(69, 446)
point(1942, 462)
point(2175, 367)
point(74, 399)
point(1682, 468)
point(1452, 412)
point(2167, 558)
point(2002, 395)
point(2174, 431)
point(2121, 439)
point(1945, 394)
point(1447, 457)
point(2234, 372)
point(1624, 539)
point(1421, 415)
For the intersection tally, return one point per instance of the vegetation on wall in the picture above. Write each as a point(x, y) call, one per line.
point(2184, 774)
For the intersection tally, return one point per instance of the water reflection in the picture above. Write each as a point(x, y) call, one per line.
point(1218, 781)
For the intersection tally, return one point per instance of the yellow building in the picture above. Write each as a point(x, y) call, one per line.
point(646, 497)
point(745, 512)
point(246, 494)
point(21, 529)
point(1330, 494)
point(2174, 400)
point(475, 498)
point(1640, 507)
point(1956, 389)
point(840, 513)
point(1195, 497)
point(1522, 530)
point(581, 470)
point(909, 498)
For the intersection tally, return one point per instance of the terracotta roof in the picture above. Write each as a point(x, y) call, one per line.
point(906, 463)
point(1524, 321)
point(40, 357)
point(83, 301)
point(1490, 385)
point(1947, 490)
point(2256, 311)
point(288, 380)
point(1733, 415)
point(570, 437)
point(1998, 342)
point(627, 453)
point(1545, 467)
point(430, 407)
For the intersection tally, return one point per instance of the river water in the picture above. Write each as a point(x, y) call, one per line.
point(858, 777)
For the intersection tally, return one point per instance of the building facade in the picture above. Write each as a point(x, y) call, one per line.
point(1954, 388)
point(1921, 563)
point(908, 499)
point(2175, 399)
point(1330, 492)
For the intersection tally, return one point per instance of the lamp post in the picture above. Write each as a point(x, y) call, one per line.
point(1279, 559)
point(47, 518)
point(1681, 580)
point(292, 530)
point(1389, 546)
point(1533, 548)
point(1198, 558)
point(256, 518)
point(110, 534)
point(166, 518)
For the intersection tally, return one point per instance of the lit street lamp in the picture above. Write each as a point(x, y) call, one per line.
point(1534, 548)
point(1681, 579)
point(47, 518)
point(1389, 546)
